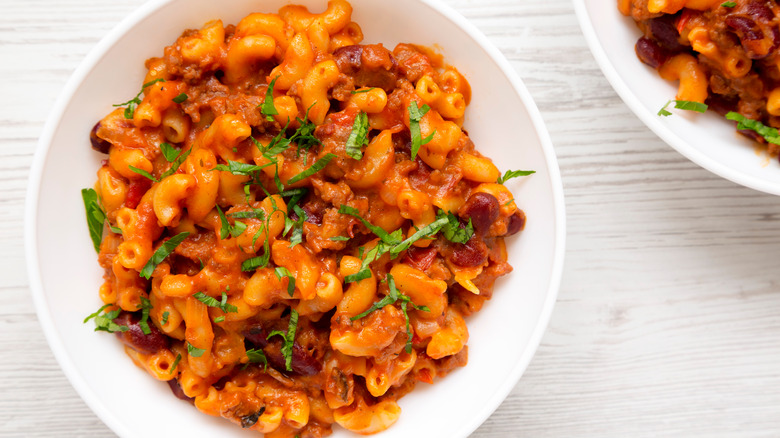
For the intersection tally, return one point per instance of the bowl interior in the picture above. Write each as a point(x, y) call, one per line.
point(65, 275)
point(706, 139)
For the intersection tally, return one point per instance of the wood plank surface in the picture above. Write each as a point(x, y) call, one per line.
point(668, 318)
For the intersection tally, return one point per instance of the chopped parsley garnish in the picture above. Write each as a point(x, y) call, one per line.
point(770, 134)
point(169, 152)
point(509, 174)
point(728, 4)
point(296, 236)
point(165, 316)
point(282, 272)
point(339, 238)
point(105, 322)
point(415, 115)
point(213, 302)
point(425, 231)
point(358, 137)
point(134, 102)
point(257, 356)
point(143, 173)
point(289, 339)
point(254, 214)
point(381, 233)
point(226, 229)
point(393, 295)
point(171, 170)
point(316, 167)
point(239, 168)
point(194, 352)
point(452, 230)
point(364, 90)
point(162, 252)
point(392, 243)
point(684, 105)
point(267, 108)
point(145, 307)
point(175, 363)
point(180, 98)
point(96, 217)
point(175, 164)
point(219, 319)
point(255, 262)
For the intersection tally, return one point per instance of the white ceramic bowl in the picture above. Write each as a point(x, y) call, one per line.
point(64, 275)
point(708, 139)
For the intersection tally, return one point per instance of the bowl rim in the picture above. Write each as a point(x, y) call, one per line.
point(54, 119)
point(655, 123)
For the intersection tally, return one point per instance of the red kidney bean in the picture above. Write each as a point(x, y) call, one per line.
point(482, 209)
point(746, 27)
point(472, 253)
point(178, 392)
point(516, 223)
point(665, 32)
point(98, 143)
point(760, 10)
point(420, 258)
point(303, 361)
point(256, 335)
point(649, 52)
point(135, 337)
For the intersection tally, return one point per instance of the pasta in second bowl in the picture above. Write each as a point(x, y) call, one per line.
point(503, 337)
point(706, 139)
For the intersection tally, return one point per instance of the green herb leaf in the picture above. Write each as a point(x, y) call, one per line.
point(257, 356)
point(96, 217)
point(415, 115)
point(237, 229)
point(339, 238)
point(238, 168)
point(452, 230)
point(289, 338)
point(282, 272)
point(770, 134)
point(175, 164)
point(175, 363)
point(365, 90)
point(691, 106)
point(143, 173)
point(145, 307)
point(728, 4)
point(180, 98)
point(296, 236)
point(219, 319)
point(195, 352)
point(134, 102)
point(224, 227)
point(105, 322)
point(267, 108)
point(169, 152)
point(381, 233)
point(425, 231)
point(254, 214)
point(213, 302)
point(514, 174)
point(316, 167)
point(162, 252)
point(165, 316)
point(358, 137)
point(684, 105)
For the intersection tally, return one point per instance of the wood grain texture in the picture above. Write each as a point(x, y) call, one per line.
point(668, 318)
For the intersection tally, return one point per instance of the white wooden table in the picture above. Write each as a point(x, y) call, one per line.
point(668, 319)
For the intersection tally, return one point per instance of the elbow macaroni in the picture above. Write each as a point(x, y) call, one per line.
point(270, 307)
